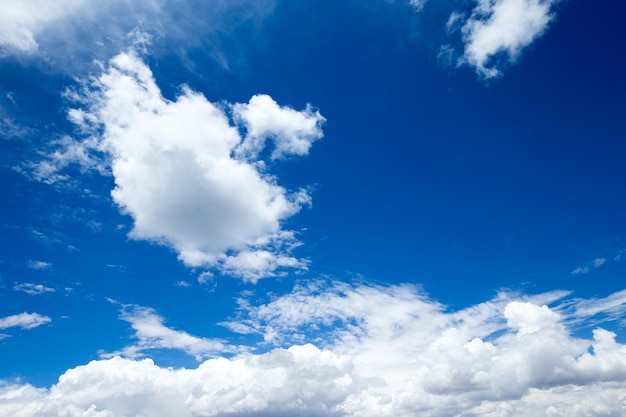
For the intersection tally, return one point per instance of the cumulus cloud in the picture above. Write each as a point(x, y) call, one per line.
point(32, 289)
point(503, 28)
point(24, 321)
point(335, 349)
point(151, 334)
point(185, 174)
point(292, 131)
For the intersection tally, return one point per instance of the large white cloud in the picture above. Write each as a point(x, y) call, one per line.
point(185, 174)
point(503, 27)
point(381, 351)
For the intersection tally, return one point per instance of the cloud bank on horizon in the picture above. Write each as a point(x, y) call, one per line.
point(337, 349)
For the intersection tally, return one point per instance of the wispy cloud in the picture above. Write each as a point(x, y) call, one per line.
point(227, 212)
point(151, 334)
point(32, 289)
point(589, 266)
point(73, 33)
point(39, 265)
point(24, 321)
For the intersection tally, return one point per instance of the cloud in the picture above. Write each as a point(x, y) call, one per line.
point(153, 334)
point(364, 350)
point(32, 289)
point(502, 28)
point(292, 132)
point(589, 266)
point(73, 33)
point(185, 174)
point(24, 321)
point(39, 265)
point(20, 21)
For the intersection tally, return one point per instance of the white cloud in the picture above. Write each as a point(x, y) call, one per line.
point(39, 265)
point(32, 289)
point(388, 351)
point(153, 334)
point(612, 307)
point(503, 27)
point(177, 174)
point(418, 4)
point(20, 20)
point(24, 321)
point(292, 132)
point(589, 266)
point(72, 33)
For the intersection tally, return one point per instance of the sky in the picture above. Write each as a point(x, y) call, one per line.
point(312, 208)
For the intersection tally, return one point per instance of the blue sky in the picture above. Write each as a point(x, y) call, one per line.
point(312, 208)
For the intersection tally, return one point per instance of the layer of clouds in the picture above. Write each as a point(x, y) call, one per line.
point(185, 174)
point(335, 349)
point(24, 321)
point(503, 28)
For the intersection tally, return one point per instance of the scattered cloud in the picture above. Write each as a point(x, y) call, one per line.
point(185, 174)
point(152, 334)
point(24, 321)
point(502, 29)
point(359, 350)
point(39, 265)
point(589, 266)
point(32, 289)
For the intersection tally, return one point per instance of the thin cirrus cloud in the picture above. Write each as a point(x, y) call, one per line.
point(589, 266)
point(185, 174)
point(98, 29)
point(32, 289)
point(336, 349)
point(151, 333)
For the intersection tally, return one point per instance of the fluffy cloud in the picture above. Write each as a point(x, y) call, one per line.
point(153, 334)
point(381, 351)
point(184, 173)
point(503, 27)
point(32, 289)
point(292, 131)
point(301, 380)
point(24, 321)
